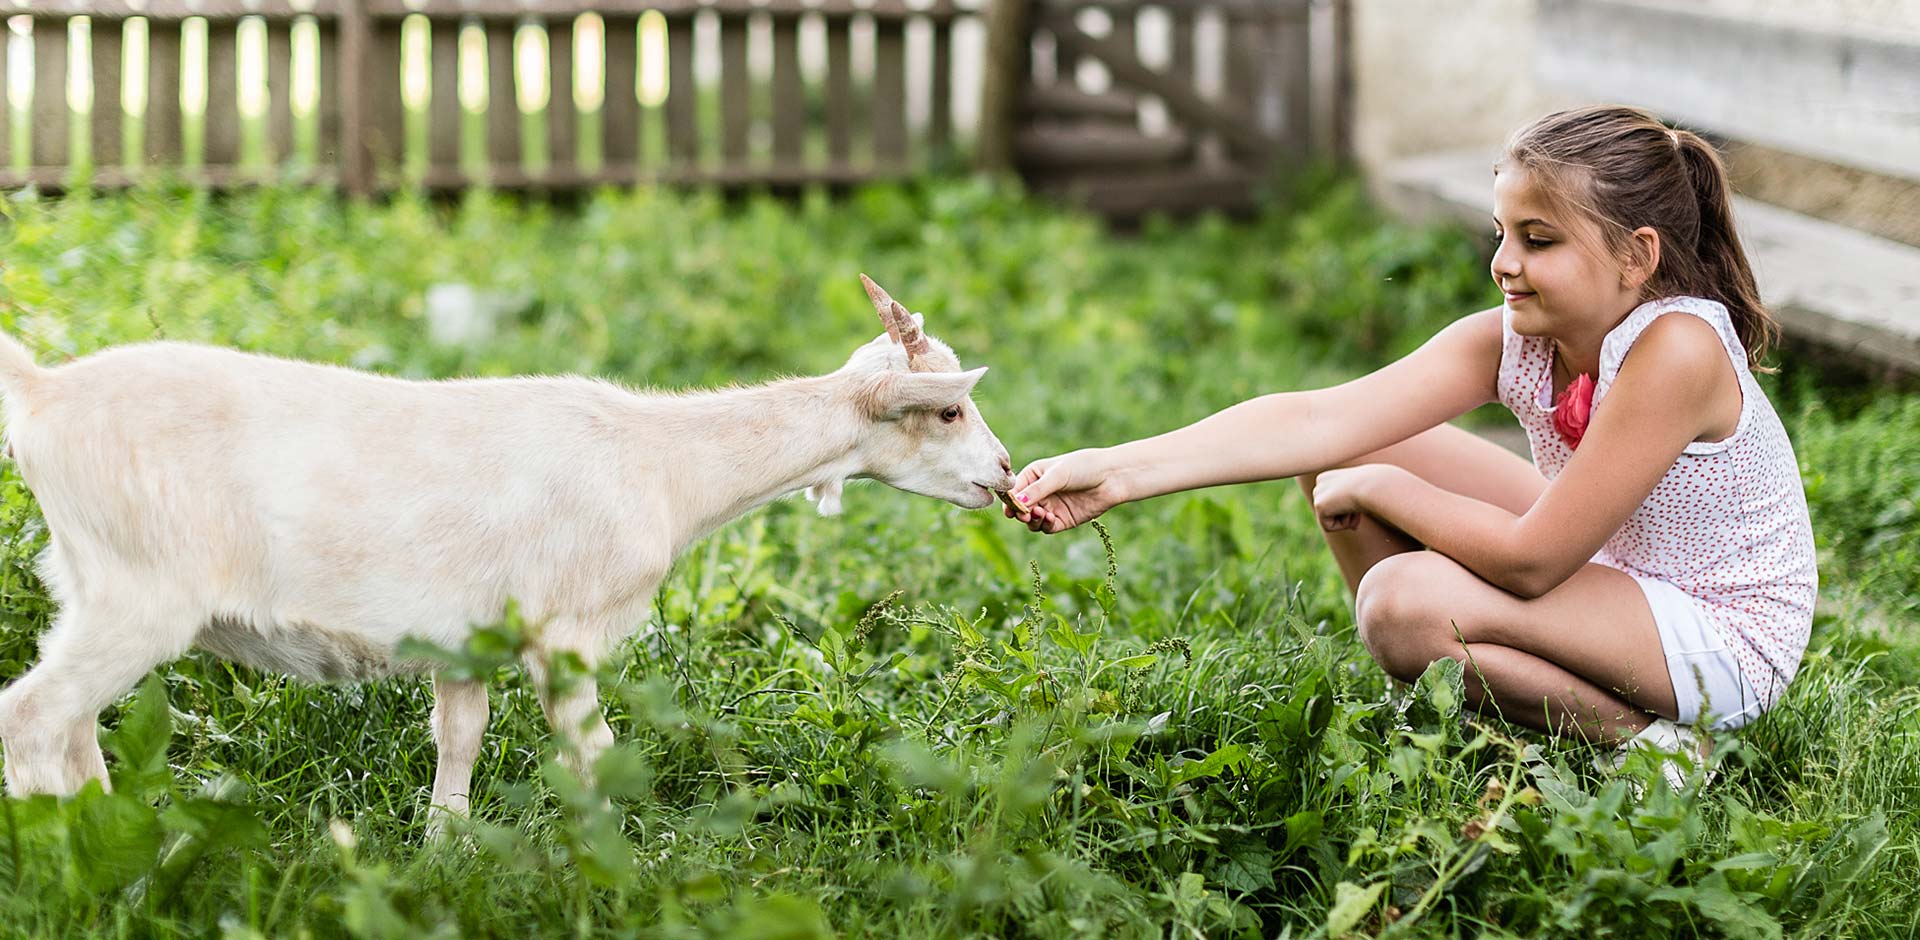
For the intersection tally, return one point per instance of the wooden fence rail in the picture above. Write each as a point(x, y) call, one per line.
point(373, 94)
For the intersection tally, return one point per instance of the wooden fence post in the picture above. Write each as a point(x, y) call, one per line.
point(1004, 85)
point(356, 170)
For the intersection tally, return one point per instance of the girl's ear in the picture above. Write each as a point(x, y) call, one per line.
point(1643, 257)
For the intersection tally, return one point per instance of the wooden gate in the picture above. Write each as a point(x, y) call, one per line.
point(1134, 106)
point(374, 94)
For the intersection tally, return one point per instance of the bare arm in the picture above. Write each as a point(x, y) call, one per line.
point(1279, 435)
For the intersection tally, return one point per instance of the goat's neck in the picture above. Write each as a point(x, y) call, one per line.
point(737, 449)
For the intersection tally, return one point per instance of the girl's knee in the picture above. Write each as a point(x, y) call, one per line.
point(1396, 616)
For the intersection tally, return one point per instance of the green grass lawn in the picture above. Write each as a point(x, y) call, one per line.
point(914, 721)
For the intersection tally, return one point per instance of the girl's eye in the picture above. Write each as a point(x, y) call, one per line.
point(1495, 237)
point(950, 415)
point(1537, 244)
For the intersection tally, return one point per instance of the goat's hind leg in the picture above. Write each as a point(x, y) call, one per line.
point(460, 714)
point(92, 655)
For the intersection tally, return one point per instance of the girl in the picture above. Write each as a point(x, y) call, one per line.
point(1652, 565)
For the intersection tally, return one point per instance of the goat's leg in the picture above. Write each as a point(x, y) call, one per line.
point(459, 722)
point(90, 657)
point(84, 761)
point(573, 711)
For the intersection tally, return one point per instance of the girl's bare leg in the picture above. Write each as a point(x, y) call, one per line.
point(1584, 658)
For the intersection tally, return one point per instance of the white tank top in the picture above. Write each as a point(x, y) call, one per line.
point(1728, 523)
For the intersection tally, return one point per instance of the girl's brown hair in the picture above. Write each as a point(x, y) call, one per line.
point(1625, 169)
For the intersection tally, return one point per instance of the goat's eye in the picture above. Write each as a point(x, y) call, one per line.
point(951, 414)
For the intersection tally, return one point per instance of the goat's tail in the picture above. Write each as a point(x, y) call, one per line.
point(18, 371)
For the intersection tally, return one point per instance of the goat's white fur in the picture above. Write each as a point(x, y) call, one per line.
point(305, 518)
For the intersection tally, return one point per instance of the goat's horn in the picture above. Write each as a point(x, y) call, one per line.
point(910, 335)
point(883, 304)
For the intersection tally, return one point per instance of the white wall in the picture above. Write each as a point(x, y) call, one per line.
point(1434, 75)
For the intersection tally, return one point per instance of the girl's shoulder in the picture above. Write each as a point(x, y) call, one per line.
point(1691, 338)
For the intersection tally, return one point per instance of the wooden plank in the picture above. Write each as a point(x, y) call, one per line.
point(386, 110)
point(683, 97)
point(108, 115)
point(496, 10)
point(756, 176)
point(1180, 36)
point(889, 114)
point(1050, 148)
point(736, 91)
point(620, 110)
point(450, 179)
point(443, 101)
point(563, 117)
point(1060, 103)
point(839, 84)
point(789, 92)
point(280, 143)
point(503, 109)
point(1340, 89)
point(1292, 62)
point(162, 119)
point(1004, 86)
point(1264, 10)
point(1243, 60)
point(223, 98)
point(1130, 195)
point(175, 11)
point(50, 115)
point(1125, 34)
point(350, 77)
point(1066, 64)
point(331, 147)
point(940, 91)
point(54, 179)
point(1181, 100)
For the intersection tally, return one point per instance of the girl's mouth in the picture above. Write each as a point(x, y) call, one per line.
point(1514, 297)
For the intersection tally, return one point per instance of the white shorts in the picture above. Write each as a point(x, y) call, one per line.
point(1708, 683)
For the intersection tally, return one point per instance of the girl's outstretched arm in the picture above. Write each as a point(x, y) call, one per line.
point(1274, 436)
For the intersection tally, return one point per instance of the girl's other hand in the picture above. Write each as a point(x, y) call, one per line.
point(1058, 493)
point(1339, 496)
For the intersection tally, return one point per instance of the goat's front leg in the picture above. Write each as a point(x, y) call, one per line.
point(459, 722)
point(573, 711)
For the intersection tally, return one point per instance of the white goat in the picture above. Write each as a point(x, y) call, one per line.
point(305, 518)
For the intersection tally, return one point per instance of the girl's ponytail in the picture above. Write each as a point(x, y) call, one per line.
point(1718, 246)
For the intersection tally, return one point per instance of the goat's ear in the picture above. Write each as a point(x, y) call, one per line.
point(895, 394)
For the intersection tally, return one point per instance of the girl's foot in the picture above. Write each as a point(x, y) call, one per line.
point(1670, 744)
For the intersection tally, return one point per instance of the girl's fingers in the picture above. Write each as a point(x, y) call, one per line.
point(1340, 521)
point(1043, 486)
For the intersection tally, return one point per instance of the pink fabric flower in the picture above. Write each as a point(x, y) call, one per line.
point(1571, 412)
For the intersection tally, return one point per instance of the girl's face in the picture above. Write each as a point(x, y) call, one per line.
point(1551, 266)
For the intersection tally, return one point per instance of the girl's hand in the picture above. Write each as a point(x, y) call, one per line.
point(1340, 496)
point(1058, 493)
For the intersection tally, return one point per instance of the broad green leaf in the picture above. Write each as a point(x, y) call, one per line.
point(1350, 903)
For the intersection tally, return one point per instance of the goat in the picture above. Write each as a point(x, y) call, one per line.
point(306, 518)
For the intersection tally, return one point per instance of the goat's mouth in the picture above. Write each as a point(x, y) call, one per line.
point(979, 496)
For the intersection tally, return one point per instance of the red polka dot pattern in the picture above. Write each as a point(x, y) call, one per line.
point(1728, 524)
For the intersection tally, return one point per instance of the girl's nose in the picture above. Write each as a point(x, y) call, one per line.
point(1506, 263)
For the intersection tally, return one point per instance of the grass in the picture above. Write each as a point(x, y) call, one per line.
point(914, 721)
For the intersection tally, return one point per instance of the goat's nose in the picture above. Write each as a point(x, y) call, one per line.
point(1006, 462)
